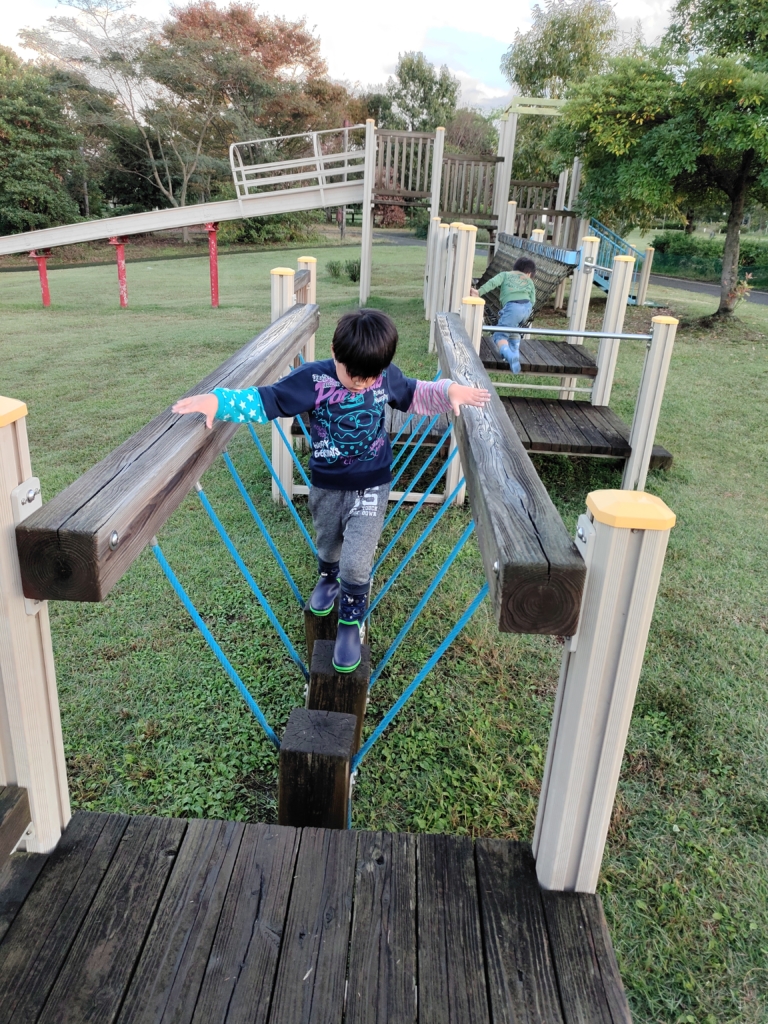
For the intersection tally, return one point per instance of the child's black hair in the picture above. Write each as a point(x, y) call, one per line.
point(364, 342)
point(525, 266)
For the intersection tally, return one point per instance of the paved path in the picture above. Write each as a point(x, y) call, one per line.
point(761, 298)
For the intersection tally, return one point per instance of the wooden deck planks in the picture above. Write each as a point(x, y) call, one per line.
point(521, 975)
point(96, 972)
point(311, 975)
point(167, 980)
point(47, 925)
point(204, 922)
point(382, 956)
point(542, 356)
point(452, 987)
point(590, 985)
point(240, 974)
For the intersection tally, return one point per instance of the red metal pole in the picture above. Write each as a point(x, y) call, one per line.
point(119, 244)
point(213, 259)
point(43, 272)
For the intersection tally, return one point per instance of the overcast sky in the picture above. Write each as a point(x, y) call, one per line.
point(361, 41)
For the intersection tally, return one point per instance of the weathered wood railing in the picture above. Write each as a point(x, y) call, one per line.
point(79, 544)
point(534, 570)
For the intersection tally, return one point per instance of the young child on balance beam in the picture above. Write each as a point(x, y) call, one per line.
point(517, 294)
point(351, 461)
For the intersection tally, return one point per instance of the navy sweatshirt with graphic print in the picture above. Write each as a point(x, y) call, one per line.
point(350, 445)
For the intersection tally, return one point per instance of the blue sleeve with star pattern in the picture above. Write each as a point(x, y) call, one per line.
point(289, 396)
point(241, 406)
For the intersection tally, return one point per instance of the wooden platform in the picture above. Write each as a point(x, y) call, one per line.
point(538, 355)
point(579, 428)
point(151, 919)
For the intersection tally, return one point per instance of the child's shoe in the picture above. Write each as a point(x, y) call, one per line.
point(326, 590)
point(512, 356)
point(346, 652)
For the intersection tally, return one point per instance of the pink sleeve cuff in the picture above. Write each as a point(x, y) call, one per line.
point(431, 397)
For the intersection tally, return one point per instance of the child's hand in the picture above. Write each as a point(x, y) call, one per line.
point(474, 293)
point(206, 404)
point(459, 394)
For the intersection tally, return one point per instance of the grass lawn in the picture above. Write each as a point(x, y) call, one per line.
point(151, 723)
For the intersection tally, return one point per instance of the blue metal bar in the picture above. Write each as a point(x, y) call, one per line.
point(416, 546)
point(390, 715)
point(418, 476)
point(304, 430)
point(289, 446)
point(224, 661)
point(282, 490)
point(260, 523)
point(420, 606)
point(412, 514)
point(252, 583)
point(416, 447)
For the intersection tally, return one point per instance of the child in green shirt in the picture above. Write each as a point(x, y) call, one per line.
point(517, 294)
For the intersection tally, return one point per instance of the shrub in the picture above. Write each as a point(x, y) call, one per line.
point(335, 269)
point(271, 230)
point(420, 222)
point(677, 243)
point(352, 268)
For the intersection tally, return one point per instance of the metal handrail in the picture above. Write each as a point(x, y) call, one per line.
point(566, 334)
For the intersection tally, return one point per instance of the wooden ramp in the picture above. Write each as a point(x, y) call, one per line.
point(578, 428)
point(137, 919)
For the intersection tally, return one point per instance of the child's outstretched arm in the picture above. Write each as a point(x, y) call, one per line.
point(235, 406)
point(206, 404)
point(445, 395)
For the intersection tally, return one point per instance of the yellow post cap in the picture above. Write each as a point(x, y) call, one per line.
point(473, 300)
point(630, 510)
point(456, 224)
point(590, 238)
point(664, 320)
point(11, 409)
point(625, 259)
point(283, 271)
point(467, 227)
point(307, 259)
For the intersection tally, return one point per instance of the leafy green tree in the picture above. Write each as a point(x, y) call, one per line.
point(422, 97)
point(38, 150)
point(721, 27)
point(660, 138)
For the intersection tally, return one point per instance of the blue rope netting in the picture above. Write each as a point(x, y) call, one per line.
point(416, 438)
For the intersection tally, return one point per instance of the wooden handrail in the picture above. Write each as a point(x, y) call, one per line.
point(534, 570)
point(79, 544)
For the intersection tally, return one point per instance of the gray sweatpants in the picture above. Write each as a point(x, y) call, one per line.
point(348, 525)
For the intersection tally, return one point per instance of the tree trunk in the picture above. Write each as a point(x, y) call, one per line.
point(730, 277)
point(690, 222)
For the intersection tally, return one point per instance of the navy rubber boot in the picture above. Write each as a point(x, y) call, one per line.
point(346, 652)
point(323, 597)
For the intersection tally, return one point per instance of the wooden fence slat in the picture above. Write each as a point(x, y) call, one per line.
point(68, 550)
point(535, 573)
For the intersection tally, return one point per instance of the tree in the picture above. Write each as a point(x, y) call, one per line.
point(39, 150)
point(422, 98)
point(470, 132)
point(657, 137)
point(568, 41)
point(720, 27)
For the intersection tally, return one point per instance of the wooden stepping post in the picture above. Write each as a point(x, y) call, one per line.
point(345, 692)
point(315, 760)
point(320, 627)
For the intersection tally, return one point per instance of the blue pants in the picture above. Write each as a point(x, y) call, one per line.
point(512, 314)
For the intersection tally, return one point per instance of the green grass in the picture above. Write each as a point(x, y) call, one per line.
point(151, 723)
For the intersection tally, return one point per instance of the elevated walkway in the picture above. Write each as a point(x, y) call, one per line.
point(138, 919)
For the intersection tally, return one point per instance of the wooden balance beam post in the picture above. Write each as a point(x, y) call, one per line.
point(79, 544)
point(534, 570)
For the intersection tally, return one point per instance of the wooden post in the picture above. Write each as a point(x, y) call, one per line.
point(615, 310)
point(31, 746)
point(282, 298)
point(213, 263)
point(559, 294)
point(444, 290)
point(42, 270)
point(122, 278)
point(472, 310)
point(538, 235)
point(573, 192)
point(623, 540)
point(431, 263)
point(648, 405)
point(345, 692)
point(309, 295)
point(366, 241)
point(465, 265)
point(510, 218)
point(436, 180)
point(437, 280)
point(581, 290)
point(645, 276)
point(314, 773)
point(506, 151)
